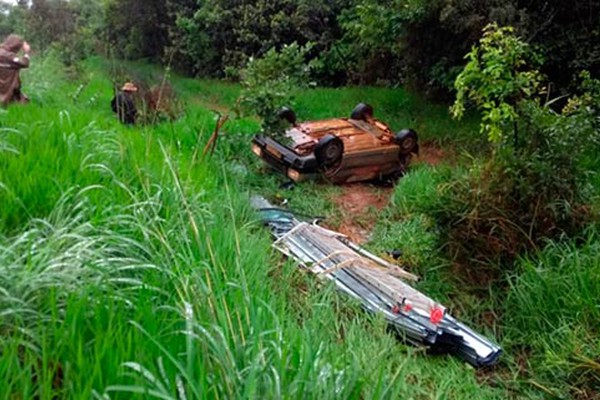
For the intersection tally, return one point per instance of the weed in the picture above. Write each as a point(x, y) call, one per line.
point(130, 268)
point(552, 310)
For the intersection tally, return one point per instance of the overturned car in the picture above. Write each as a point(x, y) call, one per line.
point(342, 150)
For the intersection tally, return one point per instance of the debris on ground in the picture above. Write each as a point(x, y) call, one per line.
point(380, 286)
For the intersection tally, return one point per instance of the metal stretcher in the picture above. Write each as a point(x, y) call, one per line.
point(380, 286)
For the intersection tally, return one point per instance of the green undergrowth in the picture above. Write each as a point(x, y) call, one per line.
point(131, 267)
point(543, 310)
point(552, 317)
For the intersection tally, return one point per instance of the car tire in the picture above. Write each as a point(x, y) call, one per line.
point(288, 114)
point(362, 112)
point(408, 141)
point(329, 151)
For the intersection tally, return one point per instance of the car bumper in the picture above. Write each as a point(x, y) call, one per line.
point(283, 158)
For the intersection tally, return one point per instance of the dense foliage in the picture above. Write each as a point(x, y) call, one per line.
point(220, 36)
point(535, 184)
point(417, 42)
point(131, 266)
point(271, 82)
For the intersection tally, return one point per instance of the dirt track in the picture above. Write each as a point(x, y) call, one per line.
point(360, 203)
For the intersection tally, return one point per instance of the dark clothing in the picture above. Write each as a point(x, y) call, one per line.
point(124, 106)
point(10, 65)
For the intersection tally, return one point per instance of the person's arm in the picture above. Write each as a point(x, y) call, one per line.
point(22, 62)
point(113, 103)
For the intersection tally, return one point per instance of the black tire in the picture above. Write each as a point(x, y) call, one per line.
point(408, 141)
point(362, 112)
point(288, 114)
point(329, 151)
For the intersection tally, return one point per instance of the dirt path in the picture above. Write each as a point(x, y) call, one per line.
point(360, 203)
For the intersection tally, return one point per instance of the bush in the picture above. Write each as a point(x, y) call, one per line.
point(270, 83)
point(535, 185)
point(500, 73)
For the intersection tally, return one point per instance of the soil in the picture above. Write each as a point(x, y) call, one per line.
point(359, 203)
point(431, 153)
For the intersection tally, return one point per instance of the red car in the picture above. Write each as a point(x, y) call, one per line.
point(352, 149)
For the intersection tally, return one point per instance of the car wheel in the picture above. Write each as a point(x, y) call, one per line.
point(408, 141)
point(329, 151)
point(362, 112)
point(288, 114)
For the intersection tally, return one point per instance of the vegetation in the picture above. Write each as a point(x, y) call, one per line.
point(271, 82)
point(420, 43)
point(535, 185)
point(129, 266)
point(543, 310)
point(133, 267)
point(498, 76)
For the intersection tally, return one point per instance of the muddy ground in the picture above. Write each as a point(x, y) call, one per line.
point(360, 203)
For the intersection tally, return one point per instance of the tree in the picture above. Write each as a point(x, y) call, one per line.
point(534, 185)
point(50, 21)
point(138, 28)
point(222, 35)
point(501, 72)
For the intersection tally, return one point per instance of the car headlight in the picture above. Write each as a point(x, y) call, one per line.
point(257, 150)
point(294, 175)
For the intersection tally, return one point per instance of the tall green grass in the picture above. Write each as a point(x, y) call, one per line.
point(544, 311)
point(132, 268)
point(552, 318)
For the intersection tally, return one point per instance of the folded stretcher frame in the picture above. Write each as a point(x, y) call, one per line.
point(381, 287)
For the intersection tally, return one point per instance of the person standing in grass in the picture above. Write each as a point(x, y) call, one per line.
point(10, 66)
point(124, 105)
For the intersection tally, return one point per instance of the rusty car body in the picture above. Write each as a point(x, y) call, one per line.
point(358, 148)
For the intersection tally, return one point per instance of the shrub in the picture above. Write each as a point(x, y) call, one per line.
point(534, 186)
point(270, 82)
point(500, 72)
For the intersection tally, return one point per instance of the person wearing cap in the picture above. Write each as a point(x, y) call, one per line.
point(10, 65)
point(124, 105)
